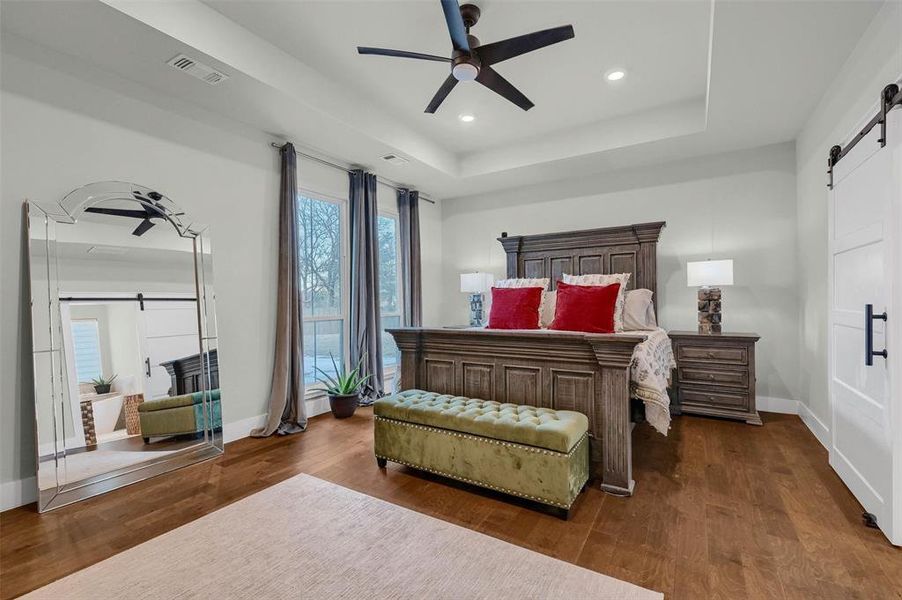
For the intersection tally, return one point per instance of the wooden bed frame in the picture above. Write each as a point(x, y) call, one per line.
point(589, 373)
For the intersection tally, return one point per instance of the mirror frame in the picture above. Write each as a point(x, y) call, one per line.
point(48, 349)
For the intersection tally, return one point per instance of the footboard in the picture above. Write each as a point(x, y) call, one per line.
point(588, 373)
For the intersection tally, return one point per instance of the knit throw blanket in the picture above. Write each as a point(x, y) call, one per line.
point(650, 377)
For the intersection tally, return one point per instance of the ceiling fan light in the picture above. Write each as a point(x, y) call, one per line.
point(615, 75)
point(464, 72)
point(466, 118)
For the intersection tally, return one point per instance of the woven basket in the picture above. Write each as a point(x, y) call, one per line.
point(132, 420)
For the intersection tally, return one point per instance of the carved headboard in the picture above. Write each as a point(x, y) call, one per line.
point(625, 249)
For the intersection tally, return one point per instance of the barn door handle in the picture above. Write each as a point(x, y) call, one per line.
point(147, 366)
point(869, 352)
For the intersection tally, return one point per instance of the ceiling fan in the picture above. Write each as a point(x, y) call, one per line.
point(146, 214)
point(470, 60)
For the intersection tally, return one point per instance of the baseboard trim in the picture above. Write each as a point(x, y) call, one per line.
point(777, 405)
point(817, 427)
point(20, 492)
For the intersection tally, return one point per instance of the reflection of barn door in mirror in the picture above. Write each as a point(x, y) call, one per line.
point(169, 331)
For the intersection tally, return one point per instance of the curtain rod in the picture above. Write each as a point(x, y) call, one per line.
point(382, 180)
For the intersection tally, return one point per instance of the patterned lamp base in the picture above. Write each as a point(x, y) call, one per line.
point(709, 305)
point(477, 313)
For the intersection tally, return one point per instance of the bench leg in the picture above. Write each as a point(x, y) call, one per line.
point(561, 513)
point(381, 462)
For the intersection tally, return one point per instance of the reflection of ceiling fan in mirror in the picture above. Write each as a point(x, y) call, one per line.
point(470, 60)
point(146, 215)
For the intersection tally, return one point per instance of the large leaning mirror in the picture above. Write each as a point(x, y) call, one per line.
point(126, 375)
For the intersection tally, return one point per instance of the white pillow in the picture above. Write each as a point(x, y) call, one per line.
point(639, 311)
point(606, 279)
point(549, 303)
point(523, 282)
point(541, 282)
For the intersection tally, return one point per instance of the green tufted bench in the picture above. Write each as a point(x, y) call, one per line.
point(535, 453)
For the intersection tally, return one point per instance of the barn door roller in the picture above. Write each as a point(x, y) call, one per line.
point(890, 97)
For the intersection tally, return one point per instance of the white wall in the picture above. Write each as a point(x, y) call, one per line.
point(59, 133)
point(876, 61)
point(739, 205)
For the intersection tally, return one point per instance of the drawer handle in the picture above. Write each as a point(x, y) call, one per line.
point(711, 376)
point(710, 355)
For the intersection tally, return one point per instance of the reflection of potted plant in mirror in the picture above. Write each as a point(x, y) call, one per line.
point(101, 385)
point(343, 389)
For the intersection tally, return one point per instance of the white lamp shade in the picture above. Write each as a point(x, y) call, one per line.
point(709, 273)
point(475, 283)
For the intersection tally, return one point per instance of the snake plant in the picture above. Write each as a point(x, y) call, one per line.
point(344, 383)
point(100, 381)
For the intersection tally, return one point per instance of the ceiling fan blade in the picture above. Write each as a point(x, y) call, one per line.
point(456, 26)
point(118, 212)
point(441, 94)
point(490, 78)
point(142, 227)
point(401, 54)
point(495, 52)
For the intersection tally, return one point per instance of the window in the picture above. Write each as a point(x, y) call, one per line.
point(321, 244)
point(389, 287)
point(86, 346)
point(324, 279)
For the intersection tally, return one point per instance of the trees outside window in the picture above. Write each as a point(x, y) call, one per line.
point(320, 250)
point(324, 273)
point(389, 287)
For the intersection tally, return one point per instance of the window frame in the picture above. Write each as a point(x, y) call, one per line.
point(315, 390)
point(96, 323)
point(396, 217)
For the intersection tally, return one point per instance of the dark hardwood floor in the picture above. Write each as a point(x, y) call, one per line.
point(722, 510)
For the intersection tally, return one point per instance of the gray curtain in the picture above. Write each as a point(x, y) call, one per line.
point(287, 413)
point(366, 321)
point(411, 273)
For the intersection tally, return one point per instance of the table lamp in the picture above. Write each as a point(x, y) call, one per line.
point(708, 276)
point(476, 284)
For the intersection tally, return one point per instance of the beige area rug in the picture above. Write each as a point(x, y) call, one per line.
point(307, 538)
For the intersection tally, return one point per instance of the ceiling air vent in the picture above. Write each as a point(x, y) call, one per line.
point(196, 69)
point(394, 159)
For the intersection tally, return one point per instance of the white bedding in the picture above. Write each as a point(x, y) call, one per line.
point(649, 373)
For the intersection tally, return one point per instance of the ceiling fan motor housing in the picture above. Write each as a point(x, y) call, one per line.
point(465, 65)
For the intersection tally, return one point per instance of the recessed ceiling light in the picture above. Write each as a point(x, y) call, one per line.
point(615, 75)
point(466, 118)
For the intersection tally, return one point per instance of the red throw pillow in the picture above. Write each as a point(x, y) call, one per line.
point(515, 308)
point(588, 308)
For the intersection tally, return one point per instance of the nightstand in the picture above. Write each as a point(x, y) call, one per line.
point(715, 374)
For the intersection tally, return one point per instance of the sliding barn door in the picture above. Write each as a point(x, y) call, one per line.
point(864, 268)
point(169, 332)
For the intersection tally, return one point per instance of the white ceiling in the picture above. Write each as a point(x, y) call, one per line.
point(703, 77)
point(663, 45)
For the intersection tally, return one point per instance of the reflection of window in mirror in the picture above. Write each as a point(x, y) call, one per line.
point(86, 346)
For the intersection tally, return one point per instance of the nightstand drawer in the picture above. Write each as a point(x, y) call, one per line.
point(730, 355)
point(690, 397)
point(699, 375)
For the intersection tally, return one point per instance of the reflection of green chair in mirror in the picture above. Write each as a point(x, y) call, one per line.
point(178, 415)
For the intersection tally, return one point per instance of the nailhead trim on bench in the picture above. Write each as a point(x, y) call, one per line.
point(488, 441)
